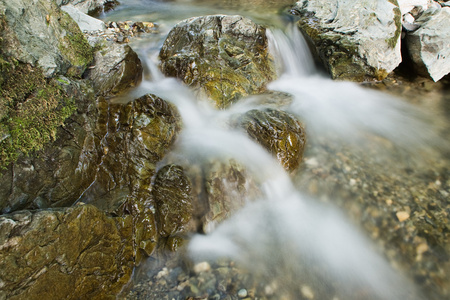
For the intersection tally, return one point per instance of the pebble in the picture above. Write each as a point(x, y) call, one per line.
point(202, 267)
point(402, 216)
point(242, 293)
point(307, 292)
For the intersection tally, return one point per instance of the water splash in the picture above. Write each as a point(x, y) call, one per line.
point(346, 110)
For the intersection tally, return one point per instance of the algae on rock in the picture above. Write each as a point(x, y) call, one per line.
point(277, 131)
point(222, 57)
point(70, 253)
point(37, 42)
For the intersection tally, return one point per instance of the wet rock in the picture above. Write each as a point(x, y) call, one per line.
point(172, 193)
point(429, 46)
point(40, 34)
point(122, 65)
point(354, 40)
point(277, 131)
point(228, 188)
point(139, 134)
point(85, 22)
point(221, 57)
point(72, 253)
point(59, 173)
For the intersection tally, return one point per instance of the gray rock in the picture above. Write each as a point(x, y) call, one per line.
point(116, 68)
point(222, 57)
point(71, 253)
point(429, 46)
point(355, 40)
point(85, 22)
point(40, 34)
point(90, 6)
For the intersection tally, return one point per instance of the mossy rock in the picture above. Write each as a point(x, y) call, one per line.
point(71, 253)
point(281, 133)
point(40, 34)
point(34, 108)
point(222, 57)
point(57, 172)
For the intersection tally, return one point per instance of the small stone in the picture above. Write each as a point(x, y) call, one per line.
point(307, 292)
point(163, 273)
point(352, 182)
point(402, 216)
point(202, 267)
point(389, 202)
point(242, 293)
point(422, 248)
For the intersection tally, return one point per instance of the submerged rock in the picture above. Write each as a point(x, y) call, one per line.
point(71, 253)
point(354, 40)
point(228, 188)
point(122, 66)
point(172, 192)
point(277, 131)
point(429, 46)
point(222, 57)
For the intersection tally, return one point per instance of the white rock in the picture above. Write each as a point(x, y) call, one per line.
point(202, 267)
point(429, 46)
point(365, 33)
point(85, 22)
point(407, 5)
point(408, 18)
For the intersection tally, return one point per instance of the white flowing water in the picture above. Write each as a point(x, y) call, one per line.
point(286, 234)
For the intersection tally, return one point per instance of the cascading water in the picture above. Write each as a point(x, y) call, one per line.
point(285, 234)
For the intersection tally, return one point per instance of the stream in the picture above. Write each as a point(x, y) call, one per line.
point(331, 230)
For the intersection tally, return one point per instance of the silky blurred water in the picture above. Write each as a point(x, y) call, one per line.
point(286, 233)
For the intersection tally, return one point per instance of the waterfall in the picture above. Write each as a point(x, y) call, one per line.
point(285, 234)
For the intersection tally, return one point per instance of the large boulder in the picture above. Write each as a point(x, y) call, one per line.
point(38, 33)
point(59, 173)
point(355, 40)
point(122, 65)
point(38, 43)
point(222, 57)
point(429, 45)
point(277, 131)
point(139, 134)
point(71, 253)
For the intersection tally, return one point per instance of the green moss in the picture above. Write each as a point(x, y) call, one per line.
point(392, 42)
point(34, 107)
point(75, 47)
